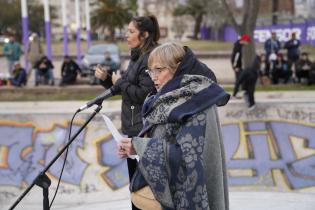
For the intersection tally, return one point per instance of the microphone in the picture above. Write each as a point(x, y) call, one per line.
point(98, 100)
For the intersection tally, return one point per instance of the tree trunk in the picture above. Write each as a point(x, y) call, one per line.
point(198, 20)
point(111, 34)
point(249, 25)
point(292, 8)
point(275, 12)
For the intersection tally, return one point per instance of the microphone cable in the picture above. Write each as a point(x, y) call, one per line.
point(64, 162)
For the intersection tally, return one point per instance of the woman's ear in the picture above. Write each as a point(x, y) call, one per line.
point(145, 34)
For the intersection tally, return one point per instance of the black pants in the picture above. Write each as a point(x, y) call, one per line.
point(132, 166)
point(249, 93)
point(68, 79)
point(303, 74)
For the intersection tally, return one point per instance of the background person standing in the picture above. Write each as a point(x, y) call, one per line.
point(110, 66)
point(293, 52)
point(34, 53)
point(12, 52)
point(272, 46)
point(247, 80)
point(236, 58)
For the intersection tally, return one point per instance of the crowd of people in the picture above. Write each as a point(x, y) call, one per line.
point(292, 66)
point(280, 62)
point(38, 63)
point(273, 66)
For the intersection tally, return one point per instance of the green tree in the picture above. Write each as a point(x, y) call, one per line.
point(194, 8)
point(10, 17)
point(112, 14)
point(36, 17)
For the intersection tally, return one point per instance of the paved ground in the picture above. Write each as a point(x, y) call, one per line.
point(238, 201)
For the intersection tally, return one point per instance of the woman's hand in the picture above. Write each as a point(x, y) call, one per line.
point(100, 73)
point(116, 76)
point(125, 148)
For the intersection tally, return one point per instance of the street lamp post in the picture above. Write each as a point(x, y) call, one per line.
point(65, 27)
point(88, 24)
point(47, 28)
point(25, 29)
point(78, 41)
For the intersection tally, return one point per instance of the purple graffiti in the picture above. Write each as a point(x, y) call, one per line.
point(300, 173)
point(15, 139)
point(117, 176)
point(44, 148)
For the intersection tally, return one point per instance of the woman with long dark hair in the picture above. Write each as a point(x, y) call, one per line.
point(134, 84)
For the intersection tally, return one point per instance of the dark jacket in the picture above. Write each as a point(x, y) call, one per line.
point(248, 77)
point(44, 64)
point(191, 65)
point(272, 46)
point(236, 57)
point(134, 86)
point(293, 47)
point(70, 69)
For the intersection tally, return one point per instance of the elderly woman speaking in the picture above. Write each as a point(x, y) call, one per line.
point(180, 148)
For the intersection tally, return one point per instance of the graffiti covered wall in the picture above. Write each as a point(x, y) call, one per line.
point(270, 148)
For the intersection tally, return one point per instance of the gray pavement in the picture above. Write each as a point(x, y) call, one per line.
point(239, 200)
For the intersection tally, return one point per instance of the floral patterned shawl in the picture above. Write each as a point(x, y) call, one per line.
point(172, 159)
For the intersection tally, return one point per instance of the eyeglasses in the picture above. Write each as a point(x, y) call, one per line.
point(156, 71)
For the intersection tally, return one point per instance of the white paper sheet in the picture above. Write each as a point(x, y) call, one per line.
point(115, 133)
point(111, 127)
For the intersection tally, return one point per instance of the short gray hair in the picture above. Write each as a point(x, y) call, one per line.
point(170, 54)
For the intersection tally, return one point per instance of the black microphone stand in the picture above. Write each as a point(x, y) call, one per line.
point(42, 179)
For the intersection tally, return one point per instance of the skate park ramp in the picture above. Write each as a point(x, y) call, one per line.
point(270, 153)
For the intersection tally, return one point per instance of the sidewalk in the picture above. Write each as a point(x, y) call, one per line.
point(238, 201)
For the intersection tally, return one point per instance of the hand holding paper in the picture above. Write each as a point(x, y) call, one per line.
point(121, 141)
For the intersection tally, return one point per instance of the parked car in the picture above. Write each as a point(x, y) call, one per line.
point(95, 55)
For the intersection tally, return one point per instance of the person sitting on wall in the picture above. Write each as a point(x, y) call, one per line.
point(281, 70)
point(44, 69)
point(18, 75)
point(69, 71)
point(312, 74)
point(264, 70)
point(303, 68)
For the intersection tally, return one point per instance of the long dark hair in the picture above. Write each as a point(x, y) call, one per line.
point(147, 24)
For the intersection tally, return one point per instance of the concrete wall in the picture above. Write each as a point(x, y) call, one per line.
point(271, 148)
